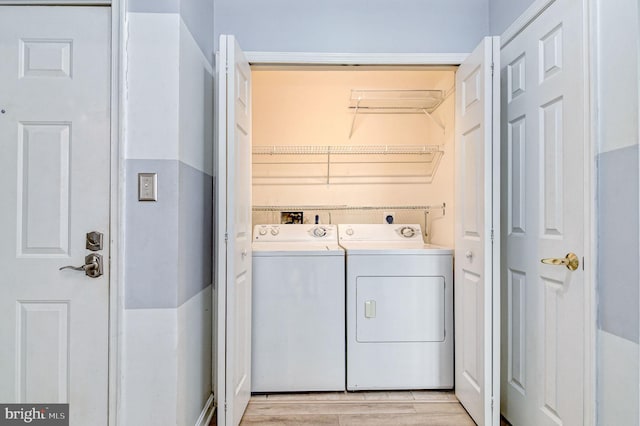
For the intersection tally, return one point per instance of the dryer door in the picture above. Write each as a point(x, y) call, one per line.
point(400, 309)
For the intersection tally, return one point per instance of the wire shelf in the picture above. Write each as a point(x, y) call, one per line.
point(345, 149)
point(344, 164)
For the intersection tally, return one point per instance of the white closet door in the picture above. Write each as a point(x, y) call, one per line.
point(544, 352)
point(234, 233)
point(477, 221)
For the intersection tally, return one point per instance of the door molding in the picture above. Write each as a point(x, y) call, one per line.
point(590, 218)
point(116, 202)
point(115, 3)
point(523, 21)
point(320, 58)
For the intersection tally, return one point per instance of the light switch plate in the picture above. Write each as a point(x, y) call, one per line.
point(147, 187)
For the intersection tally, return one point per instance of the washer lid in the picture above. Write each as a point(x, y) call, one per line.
point(392, 247)
point(295, 249)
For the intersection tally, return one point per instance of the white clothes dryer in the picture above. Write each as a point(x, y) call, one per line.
point(298, 323)
point(399, 308)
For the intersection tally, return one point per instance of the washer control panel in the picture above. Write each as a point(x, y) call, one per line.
point(295, 232)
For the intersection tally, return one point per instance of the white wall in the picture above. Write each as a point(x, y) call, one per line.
point(354, 25)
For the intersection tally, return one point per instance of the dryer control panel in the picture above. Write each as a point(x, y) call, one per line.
point(381, 233)
point(295, 233)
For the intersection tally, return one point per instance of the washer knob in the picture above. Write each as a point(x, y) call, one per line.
point(349, 231)
point(319, 231)
point(407, 231)
point(262, 231)
point(275, 231)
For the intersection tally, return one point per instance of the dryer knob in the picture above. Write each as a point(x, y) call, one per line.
point(407, 231)
point(349, 231)
point(319, 231)
point(275, 231)
point(262, 231)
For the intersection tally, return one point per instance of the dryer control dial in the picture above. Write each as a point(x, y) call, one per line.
point(275, 231)
point(349, 231)
point(407, 231)
point(319, 231)
point(262, 231)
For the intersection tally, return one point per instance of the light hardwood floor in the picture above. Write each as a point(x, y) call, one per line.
point(424, 408)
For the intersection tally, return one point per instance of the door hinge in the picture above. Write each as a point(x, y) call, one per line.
point(492, 235)
point(226, 237)
point(493, 66)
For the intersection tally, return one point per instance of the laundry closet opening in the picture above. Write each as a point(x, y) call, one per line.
point(344, 156)
point(354, 144)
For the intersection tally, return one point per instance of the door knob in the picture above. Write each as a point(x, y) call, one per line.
point(570, 261)
point(92, 266)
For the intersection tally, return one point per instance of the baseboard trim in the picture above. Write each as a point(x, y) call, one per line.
point(207, 413)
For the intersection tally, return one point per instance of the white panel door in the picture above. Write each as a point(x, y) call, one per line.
point(234, 221)
point(543, 347)
point(477, 220)
point(54, 186)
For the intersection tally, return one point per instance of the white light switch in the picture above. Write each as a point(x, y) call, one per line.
point(147, 187)
point(370, 309)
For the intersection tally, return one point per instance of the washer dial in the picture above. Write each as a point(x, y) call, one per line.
point(407, 231)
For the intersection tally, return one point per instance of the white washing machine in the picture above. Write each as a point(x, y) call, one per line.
point(298, 323)
point(399, 308)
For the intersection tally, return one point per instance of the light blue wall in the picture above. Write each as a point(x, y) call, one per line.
point(354, 26)
point(618, 212)
point(502, 13)
point(168, 244)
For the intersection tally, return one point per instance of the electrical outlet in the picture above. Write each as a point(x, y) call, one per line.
point(389, 217)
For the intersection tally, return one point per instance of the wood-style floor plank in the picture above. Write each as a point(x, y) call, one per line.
point(401, 408)
point(419, 419)
point(295, 420)
point(380, 408)
point(333, 407)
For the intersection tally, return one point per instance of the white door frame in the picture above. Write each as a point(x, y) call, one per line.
point(117, 197)
point(590, 130)
point(116, 191)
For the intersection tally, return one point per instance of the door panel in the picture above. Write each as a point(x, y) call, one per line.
point(477, 210)
point(54, 164)
point(543, 326)
point(234, 224)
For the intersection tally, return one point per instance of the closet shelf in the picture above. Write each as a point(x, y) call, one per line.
point(397, 100)
point(362, 164)
point(344, 207)
point(345, 149)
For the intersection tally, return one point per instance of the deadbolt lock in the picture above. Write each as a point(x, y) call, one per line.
point(94, 241)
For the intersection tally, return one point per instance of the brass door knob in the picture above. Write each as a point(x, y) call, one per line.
point(570, 261)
